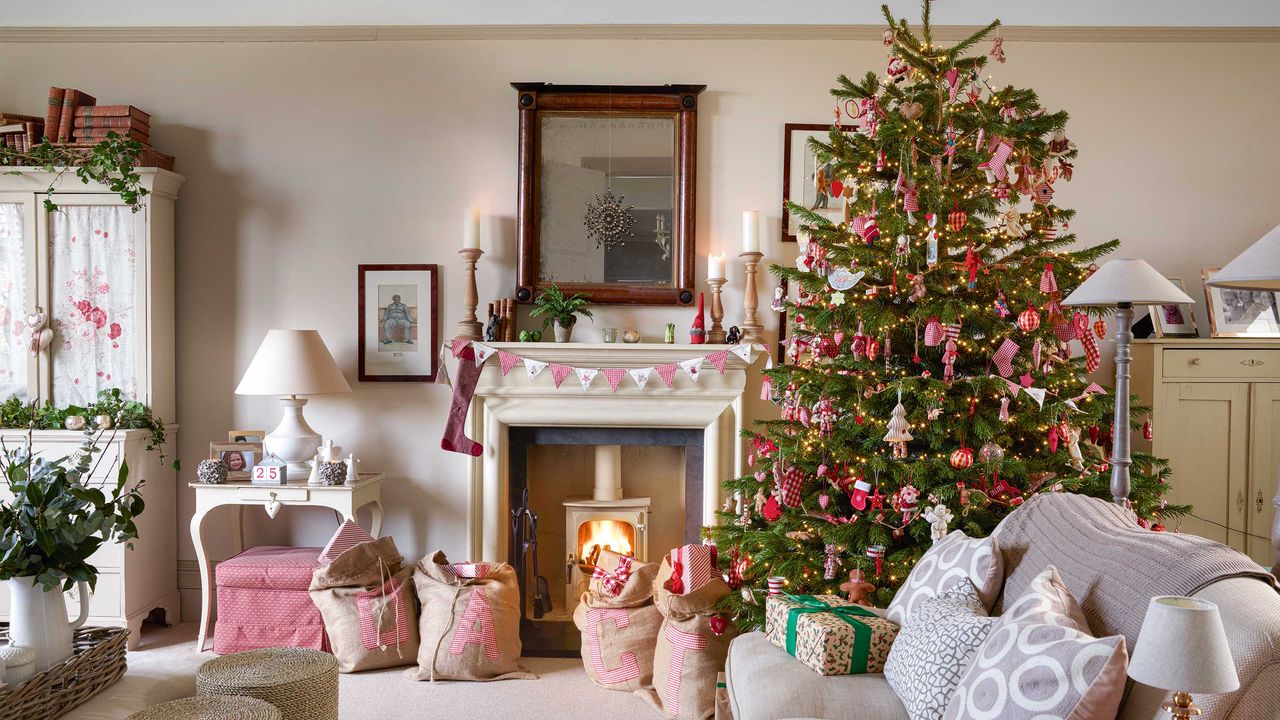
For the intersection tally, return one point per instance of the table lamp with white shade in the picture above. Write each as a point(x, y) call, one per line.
point(1123, 283)
point(1182, 647)
point(290, 363)
point(1257, 268)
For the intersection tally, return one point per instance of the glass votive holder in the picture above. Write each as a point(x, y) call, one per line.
point(631, 336)
point(609, 335)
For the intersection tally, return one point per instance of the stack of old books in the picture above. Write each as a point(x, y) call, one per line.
point(20, 132)
point(75, 119)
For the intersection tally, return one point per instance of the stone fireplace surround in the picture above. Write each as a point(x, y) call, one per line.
point(712, 405)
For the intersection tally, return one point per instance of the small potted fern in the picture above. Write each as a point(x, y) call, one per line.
point(559, 311)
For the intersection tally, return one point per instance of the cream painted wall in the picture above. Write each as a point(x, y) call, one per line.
point(303, 160)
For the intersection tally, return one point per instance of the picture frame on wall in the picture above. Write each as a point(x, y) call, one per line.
point(806, 180)
point(1173, 320)
point(399, 325)
point(240, 457)
point(1241, 313)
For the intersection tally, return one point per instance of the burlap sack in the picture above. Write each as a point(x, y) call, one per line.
point(619, 627)
point(366, 600)
point(470, 621)
point(689, 654)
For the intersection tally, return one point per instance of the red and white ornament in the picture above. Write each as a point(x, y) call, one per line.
point(1048, 282)
point(962, 458)
point(1100, 328)
point(858, 495)
point(957, 220)
point(1029, 319)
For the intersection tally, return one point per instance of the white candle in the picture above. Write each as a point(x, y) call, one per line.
point(471, 229)
point(715, 266)
point(750, 231)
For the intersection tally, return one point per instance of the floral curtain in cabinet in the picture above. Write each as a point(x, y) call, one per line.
point(92, 259)
point(13, 302)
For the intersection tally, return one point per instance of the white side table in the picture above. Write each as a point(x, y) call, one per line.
point(346, 499)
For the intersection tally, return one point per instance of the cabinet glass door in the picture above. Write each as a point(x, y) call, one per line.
point(17, 290)
point(93, 300)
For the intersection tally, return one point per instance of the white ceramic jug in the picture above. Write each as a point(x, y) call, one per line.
point(38, 620)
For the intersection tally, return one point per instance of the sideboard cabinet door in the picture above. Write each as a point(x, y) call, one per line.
point(1263, 468)
point(1210, 469)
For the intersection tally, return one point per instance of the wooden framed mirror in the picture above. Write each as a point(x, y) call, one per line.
point(606, 191)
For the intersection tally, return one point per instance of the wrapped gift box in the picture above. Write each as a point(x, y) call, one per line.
point(829, 634)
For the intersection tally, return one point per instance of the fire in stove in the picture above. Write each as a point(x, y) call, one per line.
point(597, 535)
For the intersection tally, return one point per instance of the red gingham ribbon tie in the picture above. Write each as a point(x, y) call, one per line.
point(611, 583)
point(1092, 357)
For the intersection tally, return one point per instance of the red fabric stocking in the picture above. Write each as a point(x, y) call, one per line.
point(464, 388)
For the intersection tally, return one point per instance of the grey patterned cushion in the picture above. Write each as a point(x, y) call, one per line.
point(933, 649)
point(953, 557)
point(1040, 662)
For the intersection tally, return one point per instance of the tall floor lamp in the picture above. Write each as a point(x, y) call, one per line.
point(1123, 283)
point(1257, 268)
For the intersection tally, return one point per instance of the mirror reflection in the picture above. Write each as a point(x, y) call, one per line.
point(607, 196)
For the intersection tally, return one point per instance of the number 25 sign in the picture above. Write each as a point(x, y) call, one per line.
point(271, 471)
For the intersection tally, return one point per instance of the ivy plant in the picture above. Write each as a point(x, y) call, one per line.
point(111, 162)
point(125, 415)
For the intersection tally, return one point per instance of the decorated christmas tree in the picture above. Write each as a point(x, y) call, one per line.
point(934, 380)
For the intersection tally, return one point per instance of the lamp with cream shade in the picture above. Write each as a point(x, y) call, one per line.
point(1182, 647)
point(290, 363)
point(1123, 283)
point(1257, 268)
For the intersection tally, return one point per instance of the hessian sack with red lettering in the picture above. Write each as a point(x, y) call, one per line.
point(692, 645)
point(619, 626)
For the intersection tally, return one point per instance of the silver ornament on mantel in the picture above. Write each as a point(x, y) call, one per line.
point(607, 222)
point(211, 472)
point(74, 422)
point(103, 422)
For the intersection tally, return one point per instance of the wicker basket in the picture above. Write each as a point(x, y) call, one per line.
point(302, 683)
point(210, 707)
point(98, 660)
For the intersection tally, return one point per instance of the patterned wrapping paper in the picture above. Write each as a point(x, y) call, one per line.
point(830, 635)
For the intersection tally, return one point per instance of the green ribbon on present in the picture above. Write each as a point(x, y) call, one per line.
point(848, 613)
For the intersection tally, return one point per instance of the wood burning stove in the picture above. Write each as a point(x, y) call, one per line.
point(605, 521)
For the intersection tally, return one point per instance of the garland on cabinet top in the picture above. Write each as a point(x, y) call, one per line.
point(111, 162)
point(124, 415)
point(930, 383)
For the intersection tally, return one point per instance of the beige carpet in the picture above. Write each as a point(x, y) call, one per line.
point(164, 668)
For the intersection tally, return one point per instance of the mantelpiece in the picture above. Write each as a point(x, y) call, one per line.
point(712, 405)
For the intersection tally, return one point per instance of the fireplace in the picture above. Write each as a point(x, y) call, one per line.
point(608, 520)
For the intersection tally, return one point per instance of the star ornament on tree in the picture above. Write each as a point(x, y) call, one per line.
point(837, 298)
point(607, 222)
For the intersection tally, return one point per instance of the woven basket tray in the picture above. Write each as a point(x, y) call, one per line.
point(98, 661)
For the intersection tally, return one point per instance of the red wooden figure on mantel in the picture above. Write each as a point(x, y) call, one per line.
point(698, 333)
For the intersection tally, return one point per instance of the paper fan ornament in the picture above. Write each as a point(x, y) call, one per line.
point(899, 430)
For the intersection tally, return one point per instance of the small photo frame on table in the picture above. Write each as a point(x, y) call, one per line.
point(240, 457)
point(806, 179)
point(246, 436)
point(1241, 313)
point(1173, 320)
point(398, 311)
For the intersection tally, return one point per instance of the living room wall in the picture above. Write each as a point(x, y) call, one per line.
point(304, 159)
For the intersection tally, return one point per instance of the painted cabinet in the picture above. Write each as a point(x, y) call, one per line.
point(104, 277)
point(1215, 414)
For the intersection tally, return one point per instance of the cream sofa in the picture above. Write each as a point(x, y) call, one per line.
point(765, 683)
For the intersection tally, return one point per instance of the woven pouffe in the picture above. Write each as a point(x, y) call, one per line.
point(303, 684)
point(210, 707)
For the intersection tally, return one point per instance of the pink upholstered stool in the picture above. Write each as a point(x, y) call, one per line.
point(263, 601)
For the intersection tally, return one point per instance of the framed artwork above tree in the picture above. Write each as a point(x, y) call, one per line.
point(606, 192)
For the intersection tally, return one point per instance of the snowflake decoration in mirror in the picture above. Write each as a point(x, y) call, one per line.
point(607, 221)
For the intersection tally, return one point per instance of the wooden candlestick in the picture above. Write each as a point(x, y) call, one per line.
point(752, 330)
point(469, 327)
point(716, 335)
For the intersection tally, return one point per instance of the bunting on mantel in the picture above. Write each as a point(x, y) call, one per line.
point(466, 350)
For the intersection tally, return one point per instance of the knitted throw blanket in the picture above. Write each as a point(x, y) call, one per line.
point(1112, 566)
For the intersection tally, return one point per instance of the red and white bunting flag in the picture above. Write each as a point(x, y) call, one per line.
point(718, 359)
point(743, 351)
point(614, 376)
point(1010, 385)
point(951, 331)
point(693, 367)
point(1035, 352)
point(507, 360)
point(641, 376)
point(457, 344)
point(559, 373)
point(585, 376)
point(667, 373)
point(533, 367)
point(1003, 358)
point(1037, 393)
point(482, 352)
point(1094, 388)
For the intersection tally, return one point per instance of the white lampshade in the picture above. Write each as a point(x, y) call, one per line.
point(1126, 280)
point(1182, 647)
point(1257, 268)
point(292, 362)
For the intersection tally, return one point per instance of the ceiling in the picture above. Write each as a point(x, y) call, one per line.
point(194, 13)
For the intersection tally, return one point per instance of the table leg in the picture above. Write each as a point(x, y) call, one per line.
point(206, 580)
point(375, 511)
point(238, 528)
